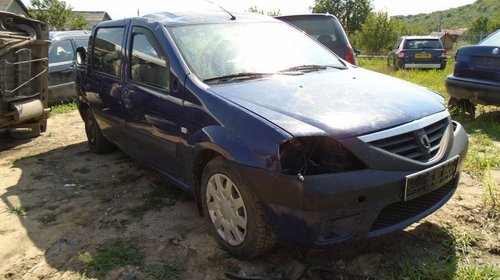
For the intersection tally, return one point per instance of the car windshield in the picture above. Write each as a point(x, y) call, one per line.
point(423, 44)
point(493, 40)
point(221, 50)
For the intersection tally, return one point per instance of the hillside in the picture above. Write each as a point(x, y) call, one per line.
point(454, 18)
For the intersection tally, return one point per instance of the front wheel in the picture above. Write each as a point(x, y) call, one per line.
point(233, 212)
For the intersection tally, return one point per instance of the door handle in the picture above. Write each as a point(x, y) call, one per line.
point(127, 103)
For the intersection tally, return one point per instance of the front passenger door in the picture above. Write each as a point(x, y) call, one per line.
point(152, 111)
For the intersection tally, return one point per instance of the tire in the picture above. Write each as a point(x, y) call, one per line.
point(233, 213)
point(97, 142)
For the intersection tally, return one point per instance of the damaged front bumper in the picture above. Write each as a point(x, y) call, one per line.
point(321, 210)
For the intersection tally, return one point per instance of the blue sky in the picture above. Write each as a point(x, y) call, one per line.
point(120, 8)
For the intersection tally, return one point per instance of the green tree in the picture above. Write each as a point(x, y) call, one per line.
point(77, 21)
point(256, 10)
point(478, 30)
point(352, 14)
point(272, 13)
point(378, 33)
point(57, 14)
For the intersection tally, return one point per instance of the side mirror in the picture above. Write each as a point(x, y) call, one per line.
point(81, 56)
point(357, 52)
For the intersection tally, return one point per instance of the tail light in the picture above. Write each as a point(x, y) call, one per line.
point(443, 53)
point(349, 55)
point(401, 54)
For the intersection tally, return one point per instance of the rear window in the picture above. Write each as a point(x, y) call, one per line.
point(493, 40)
point(423, 44)
point(323, 29)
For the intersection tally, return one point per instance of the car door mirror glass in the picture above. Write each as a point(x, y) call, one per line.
point(81, 56)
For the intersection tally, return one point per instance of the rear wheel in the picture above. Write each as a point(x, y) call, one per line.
point(234, 215)
point(97, 142)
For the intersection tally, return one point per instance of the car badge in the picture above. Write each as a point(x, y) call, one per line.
point(424, 141)
point(494, 51)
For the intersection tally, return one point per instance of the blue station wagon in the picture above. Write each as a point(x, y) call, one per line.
point(276, 143)
point(423, 52)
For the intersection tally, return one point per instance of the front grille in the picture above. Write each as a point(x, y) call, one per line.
point(409, 144)
point(404, 210)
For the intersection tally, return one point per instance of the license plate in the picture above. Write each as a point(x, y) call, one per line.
point(488, 62)
point(423, 55)
point(427, 180)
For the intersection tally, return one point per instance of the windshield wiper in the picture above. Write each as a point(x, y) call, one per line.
point(311, 68)
point(238, 76)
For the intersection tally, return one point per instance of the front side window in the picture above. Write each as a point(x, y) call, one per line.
point(106, 56)
point(215, 50)
point(148, 62)
point(61, 51)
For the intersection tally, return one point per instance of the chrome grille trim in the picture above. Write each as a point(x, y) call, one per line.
point(423, 143)
point(408, 127)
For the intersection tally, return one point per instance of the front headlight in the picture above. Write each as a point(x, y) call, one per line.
point(316, 155)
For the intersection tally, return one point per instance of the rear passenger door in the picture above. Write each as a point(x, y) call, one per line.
point(103, 85)
point(152, 107)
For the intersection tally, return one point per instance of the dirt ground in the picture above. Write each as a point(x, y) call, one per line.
point(60, 203)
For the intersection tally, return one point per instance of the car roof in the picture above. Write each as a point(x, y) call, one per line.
point(306, 15)
point(416, 37)
point(57, 35)
point(198, 17)
point(195, 17)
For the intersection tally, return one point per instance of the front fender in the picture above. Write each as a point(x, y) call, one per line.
point(259, 150)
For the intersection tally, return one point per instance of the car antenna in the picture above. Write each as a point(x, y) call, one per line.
point(220, 7)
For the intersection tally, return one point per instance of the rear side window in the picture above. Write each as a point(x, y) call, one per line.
point(148, 62)
point(106, 56)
